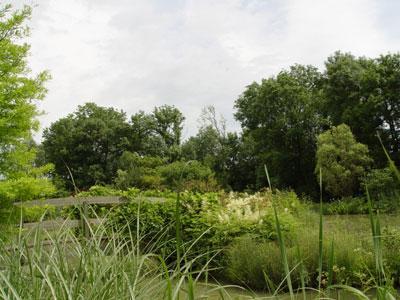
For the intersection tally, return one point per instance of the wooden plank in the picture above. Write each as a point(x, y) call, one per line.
point(69, 201)
point(56, 224)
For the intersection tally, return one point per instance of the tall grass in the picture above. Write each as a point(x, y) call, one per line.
point(281, 242)
point(40, 264)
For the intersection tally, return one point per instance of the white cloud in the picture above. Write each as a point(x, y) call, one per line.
point(139, 54)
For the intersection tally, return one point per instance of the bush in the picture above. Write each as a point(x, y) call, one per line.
point(191, 176)
point(212, 220)
point(381, 182)
point(99, 190)
point(138, 171)
point(25, 188)
point(31, 214)
point(345, 206)
point(359, 205)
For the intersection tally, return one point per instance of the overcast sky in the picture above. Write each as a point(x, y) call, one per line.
point(135, 55)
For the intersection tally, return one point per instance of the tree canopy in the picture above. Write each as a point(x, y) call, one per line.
point(279, 117)
point(19, 90)
point(85, 145)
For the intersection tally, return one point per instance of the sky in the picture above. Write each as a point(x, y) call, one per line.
point(134, 55)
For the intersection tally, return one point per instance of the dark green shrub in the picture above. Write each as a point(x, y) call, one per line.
point(345, 206)
point(359, 205)
point(191, 176)
point(381, 182)
point(138, 171)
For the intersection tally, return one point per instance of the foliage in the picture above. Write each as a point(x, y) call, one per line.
point(279, 117)
point(32, 214)
point(212, 219)
point(191, 175)
point(87, 144)
point(25, 188)
point(138, 171)
point(361, 92)
point(18, 91)
point(380, 182)
point(158, 133)
point(346, 206)
point(342, 160)
point(98, 190)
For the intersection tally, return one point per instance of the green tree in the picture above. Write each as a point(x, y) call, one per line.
point(19, 91)
point(143, 138)
point(280, 116)
point(158, 133)
point(190, 175)
point(388, 96)
point(138, 171)
point(169, 124)
point(87, 144)
point(363, 93)
point(342, 160)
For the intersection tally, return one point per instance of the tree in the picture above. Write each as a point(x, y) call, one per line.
point(138, 171)
point(363, 93)
point(342, 160)
point(87, 144)
point(388, 96)
point(143, 138)
point(190, 175)
point(280, 116)
point(158, 133)
point(168, 124)
point(18, 90)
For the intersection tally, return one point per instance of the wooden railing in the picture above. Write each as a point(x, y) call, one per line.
point(83, 204)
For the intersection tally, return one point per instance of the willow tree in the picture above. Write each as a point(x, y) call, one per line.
point(342, 160)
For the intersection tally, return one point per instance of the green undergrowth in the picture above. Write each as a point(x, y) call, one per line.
point(388, 204)
point(62, 265)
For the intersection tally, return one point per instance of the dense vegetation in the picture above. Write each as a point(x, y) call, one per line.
point(205, 208)
point(294, 122)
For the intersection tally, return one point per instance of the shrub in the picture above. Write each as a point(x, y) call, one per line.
point(381, 182)
point(346, 206)
point(34, 213)
point(99, 190)
point(138, 171)
point(25, 188)
point(215, 219)
point(359, 205)
point(191, 175)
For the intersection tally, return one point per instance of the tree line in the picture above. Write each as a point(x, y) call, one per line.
point(296, 122)
point(281, 118)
